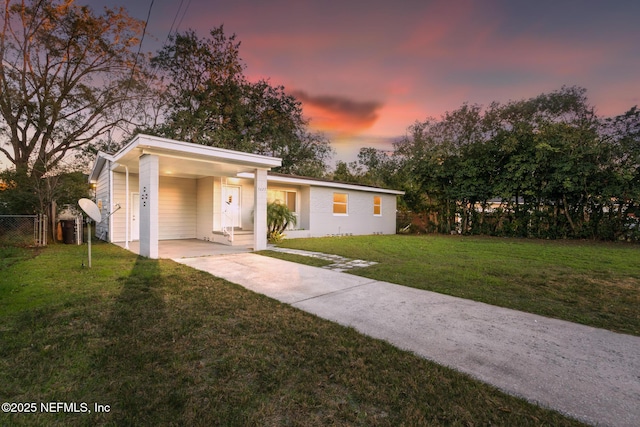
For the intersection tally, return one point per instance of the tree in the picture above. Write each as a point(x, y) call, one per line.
point(203, 81)
point(549, 148)
point(621, 176)
point(549, 166)
point(343, 173)
point(209, 101)
point(65, 73)
point(66, 76)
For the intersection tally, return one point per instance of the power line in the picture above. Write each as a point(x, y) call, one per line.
point(135, 61)
point(144, 31)
point(183, 14)
point(175, 18)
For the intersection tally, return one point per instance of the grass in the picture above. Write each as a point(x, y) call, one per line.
point(163, 344)
point(12, 254)
point(596, 284)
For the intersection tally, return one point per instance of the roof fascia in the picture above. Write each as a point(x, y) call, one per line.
point(151, 144)
point(101, 159)
point(338, 185)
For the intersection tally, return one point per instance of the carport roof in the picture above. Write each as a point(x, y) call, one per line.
point(183, 159)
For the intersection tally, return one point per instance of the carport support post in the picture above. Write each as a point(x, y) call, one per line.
point(260, 210)
point(149, 184)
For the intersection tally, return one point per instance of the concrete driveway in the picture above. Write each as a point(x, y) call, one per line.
point(188, 248)
point(587, 373)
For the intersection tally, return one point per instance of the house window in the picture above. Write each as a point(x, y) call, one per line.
point(377, 205)
point(340, 204)
point(284, 197)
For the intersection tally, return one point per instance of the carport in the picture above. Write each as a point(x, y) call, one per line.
point(190, 248)
point(161, 189)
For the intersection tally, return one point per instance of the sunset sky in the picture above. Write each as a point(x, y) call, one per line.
point(366, 70)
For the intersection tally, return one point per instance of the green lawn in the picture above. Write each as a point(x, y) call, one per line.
point(163, 344)
point(596, 284)
point(12, 254)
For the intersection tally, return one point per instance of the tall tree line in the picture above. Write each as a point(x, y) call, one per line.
point(545, 167)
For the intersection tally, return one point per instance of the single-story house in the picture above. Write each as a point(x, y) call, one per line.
point(161, 189)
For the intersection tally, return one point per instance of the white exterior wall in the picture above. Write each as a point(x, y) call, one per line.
point(359, 220)
point(104, 203)
point(191, 208)
point(177, 212)
point(118, 218)
point(204, 212)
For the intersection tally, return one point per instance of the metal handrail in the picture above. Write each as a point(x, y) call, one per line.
point(226, 230)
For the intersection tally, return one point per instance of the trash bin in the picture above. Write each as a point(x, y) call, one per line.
point(68, 231)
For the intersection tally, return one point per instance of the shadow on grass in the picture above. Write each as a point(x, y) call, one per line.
point(136, 362)
point(167, 345)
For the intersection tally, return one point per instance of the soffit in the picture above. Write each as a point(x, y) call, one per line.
point(186, 160)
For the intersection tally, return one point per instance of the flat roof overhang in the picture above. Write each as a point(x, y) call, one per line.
point(307, 181)
point(189, 160)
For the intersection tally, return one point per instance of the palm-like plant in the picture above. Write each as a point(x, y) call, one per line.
point(278, 219)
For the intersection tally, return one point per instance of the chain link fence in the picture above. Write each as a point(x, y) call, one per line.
point(23, 230)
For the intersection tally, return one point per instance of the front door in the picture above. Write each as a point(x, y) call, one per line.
point(135, 215)
point(231, 213)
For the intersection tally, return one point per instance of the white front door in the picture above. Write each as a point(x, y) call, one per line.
point(135, 215)
point(231, 212)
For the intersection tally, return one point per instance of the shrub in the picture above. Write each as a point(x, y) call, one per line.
point(278, 219)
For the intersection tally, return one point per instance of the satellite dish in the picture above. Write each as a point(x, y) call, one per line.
point(90, 209)
point(93, 211)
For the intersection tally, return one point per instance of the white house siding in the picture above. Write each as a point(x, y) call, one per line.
point(177, 208)
point(119, 217)
point(359, 219)
point(190, 208)
point(177, 211)
point(204, 216)
point(103, 201)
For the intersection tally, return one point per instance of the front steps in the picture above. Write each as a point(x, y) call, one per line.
point(240, 238)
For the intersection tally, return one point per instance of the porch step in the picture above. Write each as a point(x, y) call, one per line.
point(240, 238)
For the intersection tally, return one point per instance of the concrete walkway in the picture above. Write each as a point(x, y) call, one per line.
point(587, 373)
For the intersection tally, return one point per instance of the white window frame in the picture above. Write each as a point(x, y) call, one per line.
point(295, 212)
point(379, 205)
point(345, 204)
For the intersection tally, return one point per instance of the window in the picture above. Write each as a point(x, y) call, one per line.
point(377, 205)
point(340, 204)
point(284, 197)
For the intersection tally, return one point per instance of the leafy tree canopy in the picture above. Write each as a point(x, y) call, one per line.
point(543, 167)
point(208, 100)
point(66, 74)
